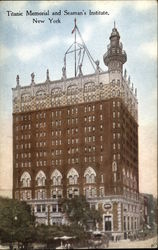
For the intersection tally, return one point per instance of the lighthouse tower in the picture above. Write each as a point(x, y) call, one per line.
point(115, 56)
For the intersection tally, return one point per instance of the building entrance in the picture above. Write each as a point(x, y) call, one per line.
point(108, 223)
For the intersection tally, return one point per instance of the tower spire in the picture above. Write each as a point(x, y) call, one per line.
point(114, 25)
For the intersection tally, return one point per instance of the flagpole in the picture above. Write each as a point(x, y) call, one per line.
point(75, 47)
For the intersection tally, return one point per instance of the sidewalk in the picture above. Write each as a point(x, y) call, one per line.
point(149, 243)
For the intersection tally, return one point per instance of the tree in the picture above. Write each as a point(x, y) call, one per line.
point(16, 221)
point(79, 212)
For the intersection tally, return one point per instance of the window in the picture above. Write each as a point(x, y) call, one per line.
point(102, 178)
point(73, 176)
point(108, 222)
point(118, 104)
point(40, 178)
point(56, 177)
point(38, 208)
point(90, 175)
point(101, 191)
point(25, 179)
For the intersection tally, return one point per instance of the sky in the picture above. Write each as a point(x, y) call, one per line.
point(27, 47)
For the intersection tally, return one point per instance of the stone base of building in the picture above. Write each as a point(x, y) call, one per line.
point(120, 215)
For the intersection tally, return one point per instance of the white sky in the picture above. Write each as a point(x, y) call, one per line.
point(26, 47)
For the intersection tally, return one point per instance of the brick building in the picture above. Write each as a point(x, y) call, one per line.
point(79, 136)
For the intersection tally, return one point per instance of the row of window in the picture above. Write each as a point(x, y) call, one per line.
point(130, 223)
point(56, 177)
point(72, 131)
point(90, 149)
point(128, 193)
point(73, 150)
point(130, 208)
point(41, 144)
point(90, 138)
point(41, 163)
point(23, 137)
point(23, 118)
point(41, 154)
point(89, 159)
point(23, 127)
point(91, 118)
point(41, 115)
point(72, 140)
point(56, 123)
point(116, 114)
point(57, 162)
point(41, 125)
point(58, 152)
point(116, 125)
point(116, 156)
point(23, 146)
point(56, 132)
point(116, 136)
point(23, 155)
point(41, 208)
point(89, 192)
point(116, 146)
point(23, 164)
point(116, 104)
point(89, 129)
point(73, 160)
point(130, 183)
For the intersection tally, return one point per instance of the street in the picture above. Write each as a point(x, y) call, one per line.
point(149, 243)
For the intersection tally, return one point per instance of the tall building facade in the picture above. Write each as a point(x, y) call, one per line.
point(79, 136)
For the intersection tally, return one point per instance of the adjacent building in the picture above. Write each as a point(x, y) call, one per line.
point(79, 136)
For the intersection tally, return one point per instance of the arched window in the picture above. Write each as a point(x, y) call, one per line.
point(114, 166)
point(56, 177)
point(25, 98)
point(25, 179)
point(72, 90)
point(40, 98)
point(73, 176)
point(41, 94)
point(56, 96)
point(90, 175)
point(40, 178)
point(89, 87)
